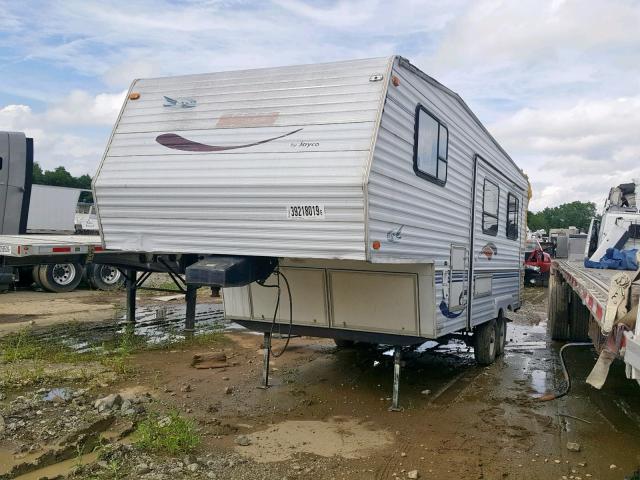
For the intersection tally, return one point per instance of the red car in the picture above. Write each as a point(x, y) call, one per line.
point(537, 264)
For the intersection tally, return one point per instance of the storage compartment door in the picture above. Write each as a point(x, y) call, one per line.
point(237, 302)
point(374, 301)
point(308, 291)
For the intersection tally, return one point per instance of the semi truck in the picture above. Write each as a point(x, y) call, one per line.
point(590, 302)
point(38, 225)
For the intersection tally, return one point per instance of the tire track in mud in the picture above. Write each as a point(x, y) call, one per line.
point(448, 395)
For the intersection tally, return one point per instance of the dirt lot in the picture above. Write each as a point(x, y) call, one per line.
point(326, 415)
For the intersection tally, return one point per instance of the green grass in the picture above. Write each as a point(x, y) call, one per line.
point(24, 345)
point(26, 358)
point(171, 434)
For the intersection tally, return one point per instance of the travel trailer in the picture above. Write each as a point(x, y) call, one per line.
point(368, 194)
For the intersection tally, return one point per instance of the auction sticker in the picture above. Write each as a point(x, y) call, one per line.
point(312, 211)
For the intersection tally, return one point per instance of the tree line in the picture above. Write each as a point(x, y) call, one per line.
point(59, 177)
point(576, 214)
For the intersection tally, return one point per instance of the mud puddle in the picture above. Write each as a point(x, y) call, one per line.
point(338, 436)
point(61, 469)
point(154, 325)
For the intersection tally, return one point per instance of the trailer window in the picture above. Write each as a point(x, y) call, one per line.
point(490, 201)
point(431, 147)
point(512, 216)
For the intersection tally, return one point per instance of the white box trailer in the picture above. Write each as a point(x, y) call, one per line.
point(52, 209)
point(394, 213)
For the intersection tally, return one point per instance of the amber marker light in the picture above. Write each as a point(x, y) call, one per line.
point(375, 245)
point(395, 80)
point(134, 96)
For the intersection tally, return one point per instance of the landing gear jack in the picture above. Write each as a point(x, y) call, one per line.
point(397, 357)
point(131, 277)
point(135, 282)
point(266, 359)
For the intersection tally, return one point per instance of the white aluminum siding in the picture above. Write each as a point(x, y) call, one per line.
point(433, 217)
point(155, 199)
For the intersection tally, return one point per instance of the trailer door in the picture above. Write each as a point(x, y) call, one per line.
point(496, 247)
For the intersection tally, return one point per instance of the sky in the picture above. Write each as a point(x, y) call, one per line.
point(556, 82)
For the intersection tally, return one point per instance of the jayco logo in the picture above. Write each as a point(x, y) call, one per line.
point(303, 144)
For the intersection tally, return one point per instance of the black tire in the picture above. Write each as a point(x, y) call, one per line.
point(485, 343)
point(340, 343)
point(60, 277)
point(35, 274)
point(501, 334)
point(104, 277)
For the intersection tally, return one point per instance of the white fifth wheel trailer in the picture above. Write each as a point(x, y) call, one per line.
point(371, 190)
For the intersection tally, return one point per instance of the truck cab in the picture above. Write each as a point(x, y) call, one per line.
point(537, 264)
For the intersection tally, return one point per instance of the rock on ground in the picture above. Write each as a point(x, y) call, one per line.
point(108, 402)
point(573, 446)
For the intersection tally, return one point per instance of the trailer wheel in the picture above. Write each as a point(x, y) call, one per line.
point(485, 343)
point(60, 277)
point(104, 277)
point(501, 334)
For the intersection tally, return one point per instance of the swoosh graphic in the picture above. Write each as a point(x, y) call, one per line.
point(444, 308)
point(177, 142)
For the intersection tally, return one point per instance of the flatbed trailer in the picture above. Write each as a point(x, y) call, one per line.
point(599, 305)
point(51, 255)
point(14, 247)
point(57, 263)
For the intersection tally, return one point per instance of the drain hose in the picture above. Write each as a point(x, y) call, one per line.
point(279, 275)
point(554, 396)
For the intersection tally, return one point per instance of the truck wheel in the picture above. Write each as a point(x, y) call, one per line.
point(485, 343)
point(501, 334)
point(104, 277)
point(60, 277)
point(35, 274)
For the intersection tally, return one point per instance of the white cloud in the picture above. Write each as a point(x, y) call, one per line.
point(529, 30)
point(575, 153)
point(53, 130)
point(80, 108)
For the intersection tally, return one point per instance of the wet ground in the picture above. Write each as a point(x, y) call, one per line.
point(326, 415)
